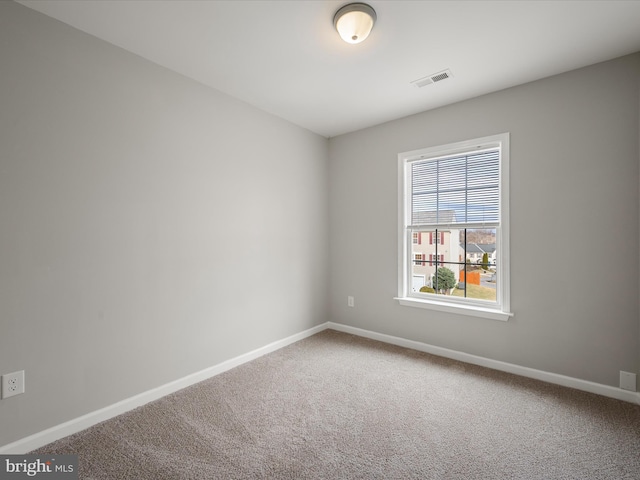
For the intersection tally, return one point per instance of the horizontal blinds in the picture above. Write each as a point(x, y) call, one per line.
point(459, 189)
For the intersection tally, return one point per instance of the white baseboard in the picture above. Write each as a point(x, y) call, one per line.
point(68, 428)
point(77, 424)
point(605, 390)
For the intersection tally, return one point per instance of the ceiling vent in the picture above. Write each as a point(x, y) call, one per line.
point(433, 78)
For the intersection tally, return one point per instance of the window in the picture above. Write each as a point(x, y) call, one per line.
point(456, 196)
point(435, 259)
point(436, 238)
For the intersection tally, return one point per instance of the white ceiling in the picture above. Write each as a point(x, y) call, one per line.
point(286, 58)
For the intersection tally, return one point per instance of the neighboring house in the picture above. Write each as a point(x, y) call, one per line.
point(475, 251)
point(429, 246)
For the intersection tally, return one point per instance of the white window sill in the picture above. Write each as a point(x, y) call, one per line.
point(471, 310)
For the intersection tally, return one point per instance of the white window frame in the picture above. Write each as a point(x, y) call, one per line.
point(500, 310)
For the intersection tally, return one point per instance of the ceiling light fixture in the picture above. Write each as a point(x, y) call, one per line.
point(354, 22)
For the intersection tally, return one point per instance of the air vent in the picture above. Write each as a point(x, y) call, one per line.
point(433, 78)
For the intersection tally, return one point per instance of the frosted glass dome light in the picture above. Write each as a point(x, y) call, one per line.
point(354, 22)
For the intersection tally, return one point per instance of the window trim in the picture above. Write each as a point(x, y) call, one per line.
point(498, 311)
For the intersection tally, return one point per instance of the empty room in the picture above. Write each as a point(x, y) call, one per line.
point(319, 239)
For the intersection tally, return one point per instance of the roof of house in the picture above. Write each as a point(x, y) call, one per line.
point(433, 217)
point(480, 247)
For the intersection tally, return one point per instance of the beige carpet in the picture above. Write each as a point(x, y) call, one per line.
point(336, 406)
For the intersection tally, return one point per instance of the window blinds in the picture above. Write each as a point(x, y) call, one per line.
point(462, 189)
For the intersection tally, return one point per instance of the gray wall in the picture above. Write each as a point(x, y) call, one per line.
point(574, 223)
point(150, 227)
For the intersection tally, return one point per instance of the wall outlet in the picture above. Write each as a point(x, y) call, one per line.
point(628, 381)
point(350, 302)
point(12, 384)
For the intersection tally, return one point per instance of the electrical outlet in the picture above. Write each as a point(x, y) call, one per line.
point(628, 381)
point(12, 384)
point(350, 302)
